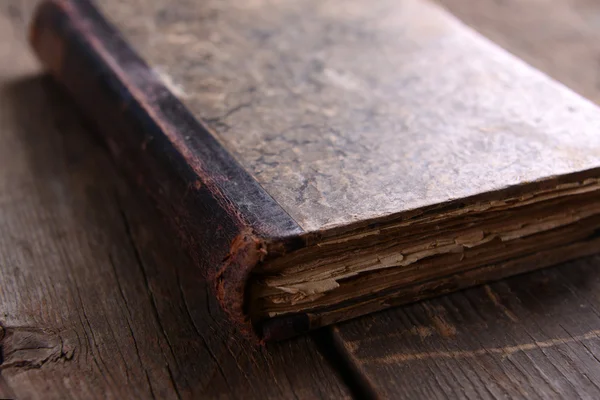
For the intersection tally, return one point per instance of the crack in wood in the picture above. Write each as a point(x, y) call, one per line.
point(344, 363)
point(505, 351)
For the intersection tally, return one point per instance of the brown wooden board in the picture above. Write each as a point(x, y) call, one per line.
point(63, 211)
point(533, 336)
point(96, 298)
point(536, 336)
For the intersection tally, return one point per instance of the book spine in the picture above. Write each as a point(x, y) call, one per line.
point(196, 184)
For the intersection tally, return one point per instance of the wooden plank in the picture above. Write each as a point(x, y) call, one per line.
point(96, 300)
point(533, 336)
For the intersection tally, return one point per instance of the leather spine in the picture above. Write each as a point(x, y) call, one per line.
point(221, 213)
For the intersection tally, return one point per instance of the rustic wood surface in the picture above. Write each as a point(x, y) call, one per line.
point(96, 300)
point(535, 336)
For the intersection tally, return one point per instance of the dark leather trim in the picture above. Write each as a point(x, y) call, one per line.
point(222, 214)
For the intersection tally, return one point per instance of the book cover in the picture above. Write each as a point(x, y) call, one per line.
point(321, 160)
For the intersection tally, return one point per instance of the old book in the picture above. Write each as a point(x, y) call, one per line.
point(324, 159)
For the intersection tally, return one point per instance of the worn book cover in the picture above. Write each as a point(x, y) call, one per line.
point(322, 159)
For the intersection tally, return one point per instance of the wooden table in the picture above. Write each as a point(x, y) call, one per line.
point(97, 301)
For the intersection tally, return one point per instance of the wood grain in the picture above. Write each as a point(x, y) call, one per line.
point(96, 303)
point(96, 298)
point(533, 336)
point(536, 336)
